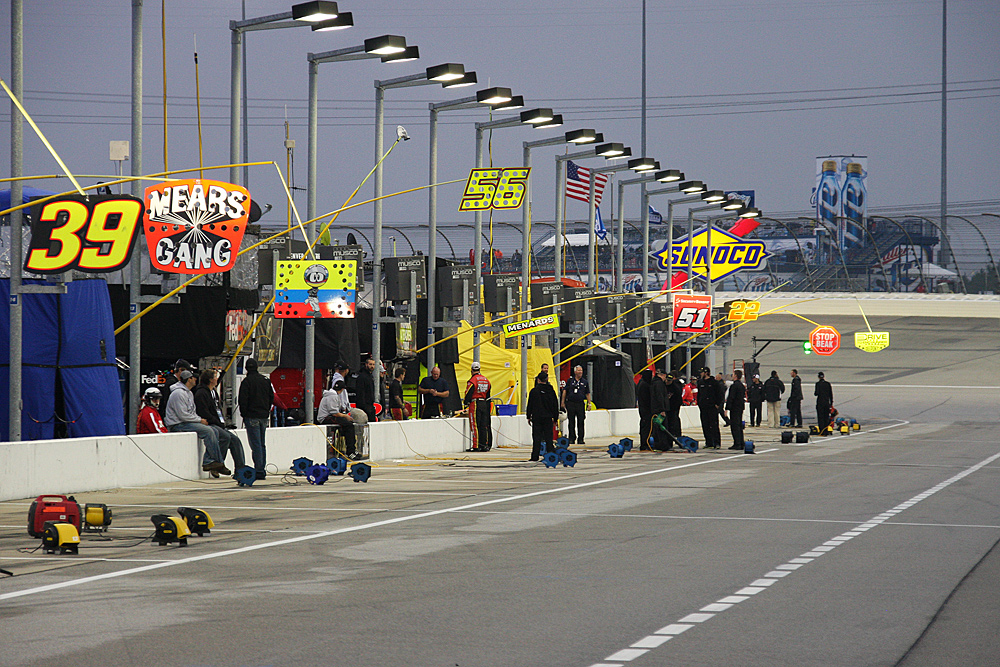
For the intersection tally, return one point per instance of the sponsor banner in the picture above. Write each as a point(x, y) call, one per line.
point(501, 189)
point(532, 326)
point(824, 340)
point(730, 254)
point(319, 288)
point(195, 226)
point(871, 341)
point(692, 313)
point(94, 234)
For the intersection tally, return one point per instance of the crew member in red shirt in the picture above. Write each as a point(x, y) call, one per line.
point(477, 398)
point(149, 417)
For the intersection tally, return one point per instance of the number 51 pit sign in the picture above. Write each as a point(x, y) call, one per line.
point(692, 313)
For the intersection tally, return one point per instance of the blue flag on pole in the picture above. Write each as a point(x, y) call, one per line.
point(599, 228)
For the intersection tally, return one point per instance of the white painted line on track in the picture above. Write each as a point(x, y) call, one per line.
point(795, 563)
point(365, 526)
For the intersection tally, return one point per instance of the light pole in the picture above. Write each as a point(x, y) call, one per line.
point(448, 75)
point(728, 206)
point(321, 16)
point(390, 48)
point(495, 98)
point(578, 137)
point(609, 151)
point(638, 165)
point(542, 118)
point(663, 176)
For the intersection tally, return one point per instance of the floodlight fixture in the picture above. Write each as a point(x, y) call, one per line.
point(315, 11)
point(537, 116)
point(749, 212)
point(468, 79)
point(446, 72)
point(691, 187)
point(345, 20)
point(641, 164)
point(406, 55)
point(712, 196)
point(493, 95)
point(732, 205)
point(555, 121)
point(385, 45)
point(668, 175)
point(585, 136)
point(610, 150)
point(516, 102)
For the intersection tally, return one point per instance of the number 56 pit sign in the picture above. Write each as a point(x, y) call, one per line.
point(692, 313)
point(501, 189)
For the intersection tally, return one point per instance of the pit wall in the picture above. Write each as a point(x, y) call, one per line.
point(78, 465)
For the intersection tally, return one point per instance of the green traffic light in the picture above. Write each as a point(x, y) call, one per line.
point(807, 347)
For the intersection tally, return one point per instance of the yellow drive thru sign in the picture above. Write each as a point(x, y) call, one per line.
point(871, 341)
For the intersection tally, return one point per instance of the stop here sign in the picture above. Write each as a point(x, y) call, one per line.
point(825, 340)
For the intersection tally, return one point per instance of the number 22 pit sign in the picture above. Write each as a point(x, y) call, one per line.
point(692, 313)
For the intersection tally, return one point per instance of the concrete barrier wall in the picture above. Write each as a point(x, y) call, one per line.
point(78, 465)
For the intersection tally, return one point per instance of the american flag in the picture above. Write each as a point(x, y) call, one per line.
point(578, 183)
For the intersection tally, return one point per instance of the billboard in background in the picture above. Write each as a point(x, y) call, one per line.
point(840, 197)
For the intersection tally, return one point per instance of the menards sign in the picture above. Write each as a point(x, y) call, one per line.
point(531, 326)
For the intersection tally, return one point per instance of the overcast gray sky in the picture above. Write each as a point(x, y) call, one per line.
point(742, 95)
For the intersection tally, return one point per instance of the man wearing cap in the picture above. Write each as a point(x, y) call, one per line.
point(335, 410)
point(824, 401)
point(675, 399)
point(755, 397)
point(477, 400)
point(171, 380)
point(710, 402)
point(255, 400)
point(773, 389)
point(182, 417)
point(434, 389)
point(575, 397)
point(542, 411)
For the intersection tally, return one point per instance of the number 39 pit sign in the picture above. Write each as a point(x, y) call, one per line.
point(692, 313)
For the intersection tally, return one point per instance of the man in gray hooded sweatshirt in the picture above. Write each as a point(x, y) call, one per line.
point(182, 417)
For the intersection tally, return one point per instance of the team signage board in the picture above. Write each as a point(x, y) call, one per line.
point(94, 234)
point(501, 189)
point(871, 341)
point(730, 254)
point(195, 226)
point(316, 288)
point(692, 313)
point(532, 326)
point(824, 340)
point(742, 311)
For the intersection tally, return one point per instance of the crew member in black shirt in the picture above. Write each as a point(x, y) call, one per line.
point(643, 400)
point(709, 403)
point(824, 401)
point(542, 411)
point(734, 403)
point(434, 389)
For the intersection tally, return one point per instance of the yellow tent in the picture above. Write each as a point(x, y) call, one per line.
point(501, 366)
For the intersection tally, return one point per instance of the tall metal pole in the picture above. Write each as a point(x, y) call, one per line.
point(557, 249)
point(945, 244)
point(235, 99)
point(135, 266)
point(478, 249)
point(525, 275)
point(377, 264)
point(620, 268)
point(377, 259)
point(642, 148)
point(592, 266)
point(312, 180)
point(16, 217)
point(432, 241)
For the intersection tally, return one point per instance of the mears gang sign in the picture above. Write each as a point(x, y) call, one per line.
point(195, 226)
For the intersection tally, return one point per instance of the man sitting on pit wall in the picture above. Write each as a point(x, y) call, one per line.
point(207, 407)
point(335, 410)
point(182, 417)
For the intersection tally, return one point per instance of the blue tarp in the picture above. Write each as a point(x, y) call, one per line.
point(27, 195)
point(69, 341)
